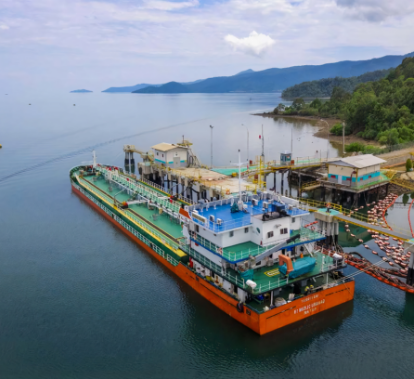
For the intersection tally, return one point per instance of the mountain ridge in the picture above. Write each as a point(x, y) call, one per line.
point(277, 79)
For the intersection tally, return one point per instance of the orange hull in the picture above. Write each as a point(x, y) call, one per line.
point(260, 323)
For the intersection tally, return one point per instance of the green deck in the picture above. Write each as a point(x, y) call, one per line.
point(285, 292)
point(168, 224)
point(266, 283)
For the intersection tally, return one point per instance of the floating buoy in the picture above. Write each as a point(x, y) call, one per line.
point(374, 252)
point(360, 240)
point(352, 235)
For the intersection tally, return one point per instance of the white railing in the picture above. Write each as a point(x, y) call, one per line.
point(128, 227)
point(136, 220)
point(142, 190)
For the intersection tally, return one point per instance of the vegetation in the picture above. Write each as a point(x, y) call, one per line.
point(381, 110)
point(337, 129)
point(358, 147)
point(324, 87)
point(408, 165)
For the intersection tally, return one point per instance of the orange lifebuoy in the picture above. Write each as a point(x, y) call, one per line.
point(227, 192)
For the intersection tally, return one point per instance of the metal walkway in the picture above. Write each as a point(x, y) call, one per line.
point(379, 229)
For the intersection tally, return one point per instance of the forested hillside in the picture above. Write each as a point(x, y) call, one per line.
point(382, 110)
point(324, 87)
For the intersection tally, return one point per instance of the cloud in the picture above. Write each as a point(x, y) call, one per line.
point(255, 44)
point(169, 5)
point(4, 27)
point(376, 10)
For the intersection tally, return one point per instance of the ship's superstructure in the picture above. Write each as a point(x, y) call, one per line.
point(254, 255)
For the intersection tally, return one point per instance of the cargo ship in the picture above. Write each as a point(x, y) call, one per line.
point(250, 253)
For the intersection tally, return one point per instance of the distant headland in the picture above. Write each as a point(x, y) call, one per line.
point(80, 91)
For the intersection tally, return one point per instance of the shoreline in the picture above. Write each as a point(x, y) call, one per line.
point(324, 128)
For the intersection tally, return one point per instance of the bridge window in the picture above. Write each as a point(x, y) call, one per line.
point(246, 230)
point(231, 233)
point(270, 234)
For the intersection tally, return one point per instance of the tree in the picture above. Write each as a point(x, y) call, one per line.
point(316, 104)
point(408, 165)
point(354, 147)
point(389, 137)
point(336, 129)
point(281, 107)
point(298, 103)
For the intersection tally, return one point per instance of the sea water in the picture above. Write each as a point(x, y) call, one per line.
point(81, 300)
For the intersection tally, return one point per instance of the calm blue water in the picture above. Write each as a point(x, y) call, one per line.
point(80, 300)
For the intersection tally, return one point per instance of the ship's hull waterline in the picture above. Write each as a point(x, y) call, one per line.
point(260, 323)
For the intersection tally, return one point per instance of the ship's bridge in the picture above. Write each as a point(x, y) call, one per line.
point(224, 215)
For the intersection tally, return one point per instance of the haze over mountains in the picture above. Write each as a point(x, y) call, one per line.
point(270, 80)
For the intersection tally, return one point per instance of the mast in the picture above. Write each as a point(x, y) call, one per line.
point(240, 195)
point(211, 165)
point(263, 154)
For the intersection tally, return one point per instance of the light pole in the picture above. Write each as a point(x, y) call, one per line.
point(327, 142)
point(247, 146)
point(211, 164)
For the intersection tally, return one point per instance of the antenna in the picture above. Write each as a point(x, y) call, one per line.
point(263, 154)
point(94, 158)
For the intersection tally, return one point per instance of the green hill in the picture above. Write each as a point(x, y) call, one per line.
point(323, 88)
point(382, 110)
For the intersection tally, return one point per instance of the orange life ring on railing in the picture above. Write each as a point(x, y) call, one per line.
point(227, 192)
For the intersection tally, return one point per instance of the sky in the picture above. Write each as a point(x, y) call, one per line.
point(72, 44)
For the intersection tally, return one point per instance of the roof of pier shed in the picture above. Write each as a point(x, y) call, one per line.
point(359, 161)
